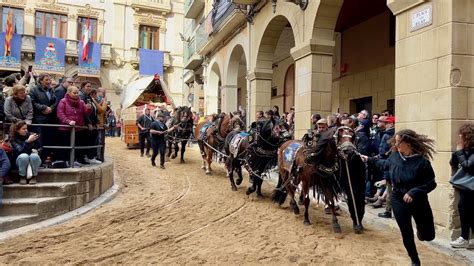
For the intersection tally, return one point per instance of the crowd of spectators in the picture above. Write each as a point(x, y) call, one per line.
point(29, 103)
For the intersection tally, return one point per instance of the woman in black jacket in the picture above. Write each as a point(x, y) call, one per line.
point(25, 152)
point(464, 157)
point(412, 178)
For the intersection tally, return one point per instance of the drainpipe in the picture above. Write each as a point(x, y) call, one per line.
point(249, 84)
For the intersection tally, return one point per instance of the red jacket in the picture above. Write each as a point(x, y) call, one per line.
point(70, 109)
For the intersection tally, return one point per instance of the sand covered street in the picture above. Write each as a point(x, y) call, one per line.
point(180, 215)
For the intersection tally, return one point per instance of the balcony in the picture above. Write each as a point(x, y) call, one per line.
point(28, 49)
point(192, 8)
point(152, 5)
point(134, 57)
point(225, 20)
point(191, 59)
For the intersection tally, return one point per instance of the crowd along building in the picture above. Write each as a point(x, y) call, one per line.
point(128, 39)
point(325, 56)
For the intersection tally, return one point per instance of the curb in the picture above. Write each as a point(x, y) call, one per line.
point(104, 198)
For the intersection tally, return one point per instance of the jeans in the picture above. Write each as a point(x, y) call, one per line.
point(1, 191)
point(466, 212)
point(142, 137)
point(24, 160)
point(421, 212)
point(160, 146)
point(111, 132)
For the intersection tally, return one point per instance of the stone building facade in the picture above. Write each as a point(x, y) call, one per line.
point(121, 27)
point(326, 56)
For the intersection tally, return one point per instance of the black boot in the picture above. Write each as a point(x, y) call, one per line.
point(385, 214)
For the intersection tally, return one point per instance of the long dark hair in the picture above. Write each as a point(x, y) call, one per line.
point(15, 127)
point(420, 144)
point(467, 134)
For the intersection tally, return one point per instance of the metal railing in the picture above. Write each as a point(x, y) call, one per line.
point(72, 147)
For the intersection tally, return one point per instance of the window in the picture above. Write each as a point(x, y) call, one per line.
point(81, 23)
point(17, 19)
point(149, 37)
point(51, 25)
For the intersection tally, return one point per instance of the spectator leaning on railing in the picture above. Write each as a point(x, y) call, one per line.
point(26, 149)
point(19, 106)
point(74, 112)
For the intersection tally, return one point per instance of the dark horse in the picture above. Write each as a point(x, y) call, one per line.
point(314, 163)
point(183, 123)
point(211, 136)
point(261, 154)
point(236, 146)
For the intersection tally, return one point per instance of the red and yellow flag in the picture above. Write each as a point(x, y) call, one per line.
point(9, 33)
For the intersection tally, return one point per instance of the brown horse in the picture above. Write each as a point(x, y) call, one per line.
point(211, 136)
point(313, 162)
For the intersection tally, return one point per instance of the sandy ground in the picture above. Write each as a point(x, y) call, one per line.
point(180, 215)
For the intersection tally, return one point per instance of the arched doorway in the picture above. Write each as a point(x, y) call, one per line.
point(289, 94)
point(235, 89)
point(273, 60)
point(212, 91)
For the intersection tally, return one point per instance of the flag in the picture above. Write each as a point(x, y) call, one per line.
point(9, 34)
point(86, 34)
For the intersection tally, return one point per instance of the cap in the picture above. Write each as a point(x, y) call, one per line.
point(390, 119)
point(322, 121)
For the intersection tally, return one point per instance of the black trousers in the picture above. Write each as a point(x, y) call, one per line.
point(142, 138)
point(158, 146)
point(420, 210)
point(357, 172)
point(466, 212)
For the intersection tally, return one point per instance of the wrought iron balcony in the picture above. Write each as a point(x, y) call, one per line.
point(191, 59)
point(192, 8)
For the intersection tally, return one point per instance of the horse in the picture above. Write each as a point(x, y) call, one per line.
point(313, 162)
point(236, 145)
point(211, 136)
point(261, 154)
point(183, 124)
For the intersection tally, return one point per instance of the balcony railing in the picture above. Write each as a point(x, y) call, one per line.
point(192, 8)
point(191, 59)
point(28, 47)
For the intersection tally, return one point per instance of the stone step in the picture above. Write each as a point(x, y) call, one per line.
point(48, 189)
point(66, 175)
point(15, 221)
point(32, 206)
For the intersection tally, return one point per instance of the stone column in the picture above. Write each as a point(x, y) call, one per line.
point(260, 92)
point(433, 85)
point(72, 27)
point(29, 22)
point(197, 92)
point(313, 83)
point(229, 98)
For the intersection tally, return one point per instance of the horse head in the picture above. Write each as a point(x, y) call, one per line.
point(235, 123)
point(345, 138)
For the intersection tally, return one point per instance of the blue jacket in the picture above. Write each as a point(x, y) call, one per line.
point(385, 147)
point(4, 163)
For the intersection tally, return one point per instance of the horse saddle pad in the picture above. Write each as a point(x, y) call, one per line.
point(289, 155)
point(204, 129)
point(235, 142)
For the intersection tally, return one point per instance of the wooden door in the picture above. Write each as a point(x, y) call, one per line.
point(289, 93)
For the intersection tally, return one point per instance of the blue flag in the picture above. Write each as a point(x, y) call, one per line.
point(50, 54)
point(13, 61)
point(151, 62)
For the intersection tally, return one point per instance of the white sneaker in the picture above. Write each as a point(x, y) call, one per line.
point(94, 161)
point(471, 244)
point(460, 243)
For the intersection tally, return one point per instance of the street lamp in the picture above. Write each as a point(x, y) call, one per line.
point(302, 3)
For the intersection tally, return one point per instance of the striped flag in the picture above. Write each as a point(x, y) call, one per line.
point(9, 34)
point(86, 35)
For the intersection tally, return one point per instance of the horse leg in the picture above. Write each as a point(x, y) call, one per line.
point(253, 187)
point(201, 149)
point(169, 149)
point(230, 172)
point(183, 149)
point(176, 148)
point(238, 168)
point(305, 194)
point(335, 223)
point(280, 193)
point(259, 188)
point(209, 161)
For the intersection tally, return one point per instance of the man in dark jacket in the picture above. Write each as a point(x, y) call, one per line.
point(61, 90)
point(86, 94)
point(143, 124)
point(44, 111)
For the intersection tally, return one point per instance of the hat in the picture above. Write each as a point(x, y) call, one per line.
point(322, 121)
point(387, 119)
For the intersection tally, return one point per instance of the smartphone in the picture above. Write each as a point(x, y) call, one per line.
point(30, 67)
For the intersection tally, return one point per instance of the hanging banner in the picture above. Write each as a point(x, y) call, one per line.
point(151, 62)
point(50, 54)
point(91, 66)
point(11, 62)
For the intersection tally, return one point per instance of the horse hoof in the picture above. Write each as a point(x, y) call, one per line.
point(234, 189)
point(296, 211)
point(307, 222)
point(300, 202)
point(208, 172)
point(182, 162)
point(249, 191)
point(337, 228)
point(238, 181)
point(259, 196)
point(203, 167)
point(173, 156)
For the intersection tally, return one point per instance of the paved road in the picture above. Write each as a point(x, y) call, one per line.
point(180, 215)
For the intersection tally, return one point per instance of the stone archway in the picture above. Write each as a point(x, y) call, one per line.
point(211, 97)
point(234, 92)
point(261, 78)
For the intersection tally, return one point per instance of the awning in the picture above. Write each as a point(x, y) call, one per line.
point(143, 91)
